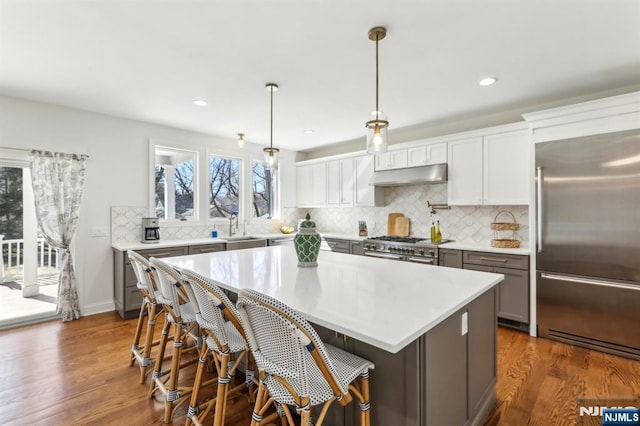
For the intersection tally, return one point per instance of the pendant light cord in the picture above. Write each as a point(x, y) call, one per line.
point(271, 124)
point(377, 109)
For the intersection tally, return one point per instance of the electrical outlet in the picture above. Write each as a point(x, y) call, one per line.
point(99, 231)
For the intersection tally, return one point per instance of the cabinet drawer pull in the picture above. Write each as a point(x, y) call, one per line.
point(166, 253)
point(493, 259)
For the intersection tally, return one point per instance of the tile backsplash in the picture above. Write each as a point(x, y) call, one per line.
point(460, 223)
point(126, 226)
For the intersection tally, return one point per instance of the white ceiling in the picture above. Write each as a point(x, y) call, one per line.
point(148, 59)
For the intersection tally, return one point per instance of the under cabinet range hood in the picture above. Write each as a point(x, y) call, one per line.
point(435, 173)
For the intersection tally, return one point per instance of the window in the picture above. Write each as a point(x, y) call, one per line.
point(224, 186)
point(264, 187)
point(175, 186)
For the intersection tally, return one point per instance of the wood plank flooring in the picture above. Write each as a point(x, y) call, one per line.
point(78, 373)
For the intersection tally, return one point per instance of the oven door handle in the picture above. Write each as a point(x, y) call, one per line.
point(428, 261)
point(383, 255)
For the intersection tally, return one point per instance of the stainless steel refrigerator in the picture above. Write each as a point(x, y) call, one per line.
point(588, 241)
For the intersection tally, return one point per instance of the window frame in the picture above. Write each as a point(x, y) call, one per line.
point(275, 215)
point(197, 176)
point(241, 184)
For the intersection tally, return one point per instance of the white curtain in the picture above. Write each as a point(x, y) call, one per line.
point(58, 180)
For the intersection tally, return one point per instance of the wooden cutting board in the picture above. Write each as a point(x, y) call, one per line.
point(403, 225)
point(391, 222)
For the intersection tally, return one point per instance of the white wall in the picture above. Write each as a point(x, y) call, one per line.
point(117, 174)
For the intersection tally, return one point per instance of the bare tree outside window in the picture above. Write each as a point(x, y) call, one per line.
point(224, 186)
point(264, 193)
point(175, 175)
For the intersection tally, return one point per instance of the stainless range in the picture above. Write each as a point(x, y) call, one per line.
point(408, 249)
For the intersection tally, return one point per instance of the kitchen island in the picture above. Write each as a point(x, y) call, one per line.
point(431, 331)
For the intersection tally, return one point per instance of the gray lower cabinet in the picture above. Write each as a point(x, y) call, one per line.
point(450, 258)
point(125, 292)
point(513, 292)
point(445, 377)
point(338, 245)
point(357, 248)
point(207, 248)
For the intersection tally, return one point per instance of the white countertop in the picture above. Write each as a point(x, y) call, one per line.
point(382, 302)
point(470, 245)
point(352, 237)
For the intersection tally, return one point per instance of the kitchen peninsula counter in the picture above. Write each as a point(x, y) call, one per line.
point(431, 331)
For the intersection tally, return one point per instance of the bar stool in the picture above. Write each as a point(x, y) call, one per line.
point(218, 318)
point(180, 316)
point(150, 309)
point(295, 367)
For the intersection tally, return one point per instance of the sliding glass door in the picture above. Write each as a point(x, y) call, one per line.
point(29, 270)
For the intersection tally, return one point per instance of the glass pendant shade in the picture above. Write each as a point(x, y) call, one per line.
point(378, 124)
point(240, 140)
point(271, 158)
point(377, 133)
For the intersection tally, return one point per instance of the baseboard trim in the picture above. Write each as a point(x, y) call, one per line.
point(98, 308)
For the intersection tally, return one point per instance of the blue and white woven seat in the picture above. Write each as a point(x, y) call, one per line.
point(180, 316)
point(295, 367)
point(150, 309)
point(224, 342)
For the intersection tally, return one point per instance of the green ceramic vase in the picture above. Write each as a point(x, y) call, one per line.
point(307, 243)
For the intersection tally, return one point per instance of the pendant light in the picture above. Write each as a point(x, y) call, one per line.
point(271, 153)
point(377, 126)
point(241, 140)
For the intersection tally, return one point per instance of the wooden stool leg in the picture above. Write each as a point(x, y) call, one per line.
point(262, 394)
point(221, 395)
point(197, 384)
point(172, 385)
point(157, 369)
point(148, 343)
point(136, 336)
point(365, 406)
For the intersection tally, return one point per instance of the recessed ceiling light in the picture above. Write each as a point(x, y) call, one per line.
point(200, 103)
point(487, 81)
point(308, 132)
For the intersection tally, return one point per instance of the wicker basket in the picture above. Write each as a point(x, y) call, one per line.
point(513, 227)
point(505, 243)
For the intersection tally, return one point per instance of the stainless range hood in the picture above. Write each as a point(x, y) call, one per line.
point(435, 173)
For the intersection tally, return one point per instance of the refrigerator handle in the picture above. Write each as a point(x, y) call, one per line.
point(539, 207)
point(589, 281)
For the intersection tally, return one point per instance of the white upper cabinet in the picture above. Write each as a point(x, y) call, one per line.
point(465, 172)
point(365, 194)
point(425, 155)
point(492, 169)
point(396, 159)
point(340, 181)
point(311, 188)
point(506, 168)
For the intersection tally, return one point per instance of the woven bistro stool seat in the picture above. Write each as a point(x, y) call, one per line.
point(296, 369)
point(150, 309)
point(180, 318)
point(225, 343)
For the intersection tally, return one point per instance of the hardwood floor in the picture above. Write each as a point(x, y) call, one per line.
point(78, 373)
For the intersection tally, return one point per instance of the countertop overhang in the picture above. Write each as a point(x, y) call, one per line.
point(384, 303)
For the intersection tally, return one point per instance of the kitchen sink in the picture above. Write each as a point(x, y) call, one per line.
point(242, 238)
point(244, 242)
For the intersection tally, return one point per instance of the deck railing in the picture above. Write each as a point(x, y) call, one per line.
point(13, 260)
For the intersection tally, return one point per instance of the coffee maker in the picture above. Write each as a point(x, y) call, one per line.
point(150, 230)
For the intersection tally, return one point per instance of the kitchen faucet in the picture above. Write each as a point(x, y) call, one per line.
point(231, 231)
